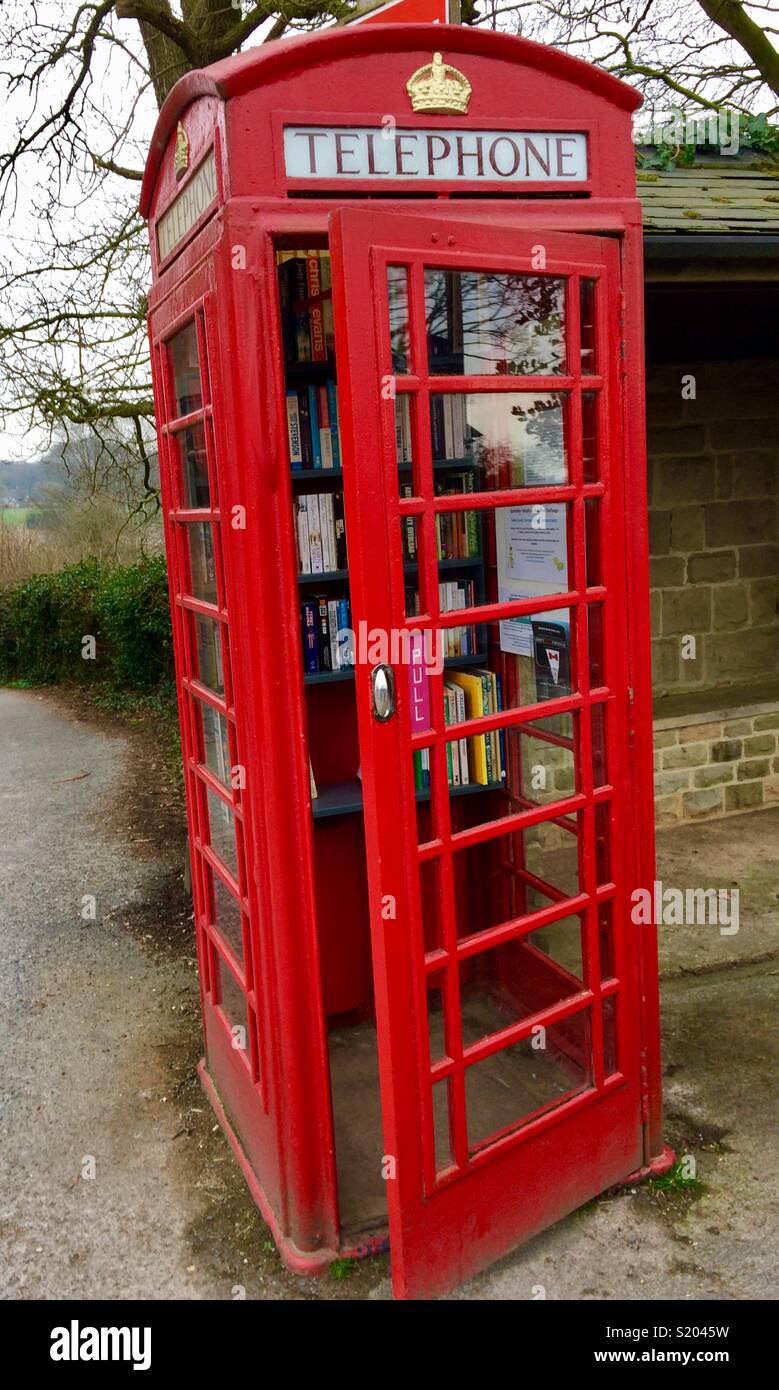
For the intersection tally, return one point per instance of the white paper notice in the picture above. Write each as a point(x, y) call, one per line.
point(532, 561)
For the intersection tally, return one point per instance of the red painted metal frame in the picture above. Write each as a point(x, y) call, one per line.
point(429, 1213)
point(275, 1104)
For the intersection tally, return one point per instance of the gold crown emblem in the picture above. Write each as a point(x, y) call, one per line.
point(181, 152)
point(439, 89)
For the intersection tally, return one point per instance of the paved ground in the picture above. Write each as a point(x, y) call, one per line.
point(100, 1037)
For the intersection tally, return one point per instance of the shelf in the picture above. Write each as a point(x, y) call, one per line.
point(310, 369)
point(324, 677)
point(468, 462)
point(473, 562)
point(345, 798)
point(315, 475)
point(329, 577)
point(347, 672)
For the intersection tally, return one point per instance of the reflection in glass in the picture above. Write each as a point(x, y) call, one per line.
point(215, 746)
point(397, 294)
point(511, 1085)
point(222, 831)
point(483, 323)
point(531, 545)
point(209, 653)
point(227, 916)
point(587, 293)
point(232, 1002)
point(201, 561)
point(508, 983)
point(191, 444)
point(507, 877)
point(186, 370)
point(512, 439)
point(590, 436)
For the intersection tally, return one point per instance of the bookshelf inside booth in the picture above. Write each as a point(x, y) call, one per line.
point(487, 775)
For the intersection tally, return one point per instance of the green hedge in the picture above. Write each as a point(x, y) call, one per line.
point(124, 607)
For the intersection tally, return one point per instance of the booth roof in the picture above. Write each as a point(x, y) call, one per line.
point(235, 76)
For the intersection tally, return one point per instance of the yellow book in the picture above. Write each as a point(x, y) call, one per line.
point(471, 687)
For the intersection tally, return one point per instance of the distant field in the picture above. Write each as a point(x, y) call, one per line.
point(15, 516)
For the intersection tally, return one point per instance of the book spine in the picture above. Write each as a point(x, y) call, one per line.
point(325, 663)
point(308, 618)
point(502, 732)
point(304, 549)
point(293, 430)
point(488, 745)
point(340, 530)
point(315, 534)
point(325, 433)
point(332, 624)
point(332, 410)
point(346, 654)
point(305, 427)
point(297, 343)
point(313, 412)
point(315, 316)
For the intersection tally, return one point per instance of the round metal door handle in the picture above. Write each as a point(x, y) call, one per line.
point(383, 685)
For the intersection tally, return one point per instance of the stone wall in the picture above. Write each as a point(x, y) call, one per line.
point(716, 768)
point(714, 532)
point(714, 547)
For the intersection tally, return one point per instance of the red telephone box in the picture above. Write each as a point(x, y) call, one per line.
point(397, 347)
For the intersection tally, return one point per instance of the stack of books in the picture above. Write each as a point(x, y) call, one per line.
point(481, 758)
point(320, 531)
point(448, 427)
point(457, 534)
point(461, 640)
point(306, 299)
point(312, 426)
point(326, 632)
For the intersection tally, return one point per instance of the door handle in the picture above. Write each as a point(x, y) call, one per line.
point(383, 685)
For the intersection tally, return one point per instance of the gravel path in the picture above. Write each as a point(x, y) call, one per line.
point(99, 1034)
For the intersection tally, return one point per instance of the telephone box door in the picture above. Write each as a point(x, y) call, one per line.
point(484, 495)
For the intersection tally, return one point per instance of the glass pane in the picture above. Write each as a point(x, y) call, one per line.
point(501, 555)
point(232, 1002)
point(191, 446)
point(485, 323)
point(209, 653)
point(595, 642)
point(592, 545)
point(603, 842)
point(430, 896)
point(222, 831)
point(599, 764)
point(436, 1029)
point(441, 1126)
point(227, 916)
point(215, 744)
point(513, 875)
point(587, 293)
point(605, 939)
point(397, 294)
point(512, 1085)
point(201, 561)
point(590, 436)
point(520, 978)
point(543, 764)
point(508, 439)
point(186, 370)
point(610, 1034)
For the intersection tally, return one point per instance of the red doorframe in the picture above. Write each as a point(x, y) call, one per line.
point(444, 1229)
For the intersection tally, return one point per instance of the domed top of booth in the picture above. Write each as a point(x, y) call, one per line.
point(364, 70)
